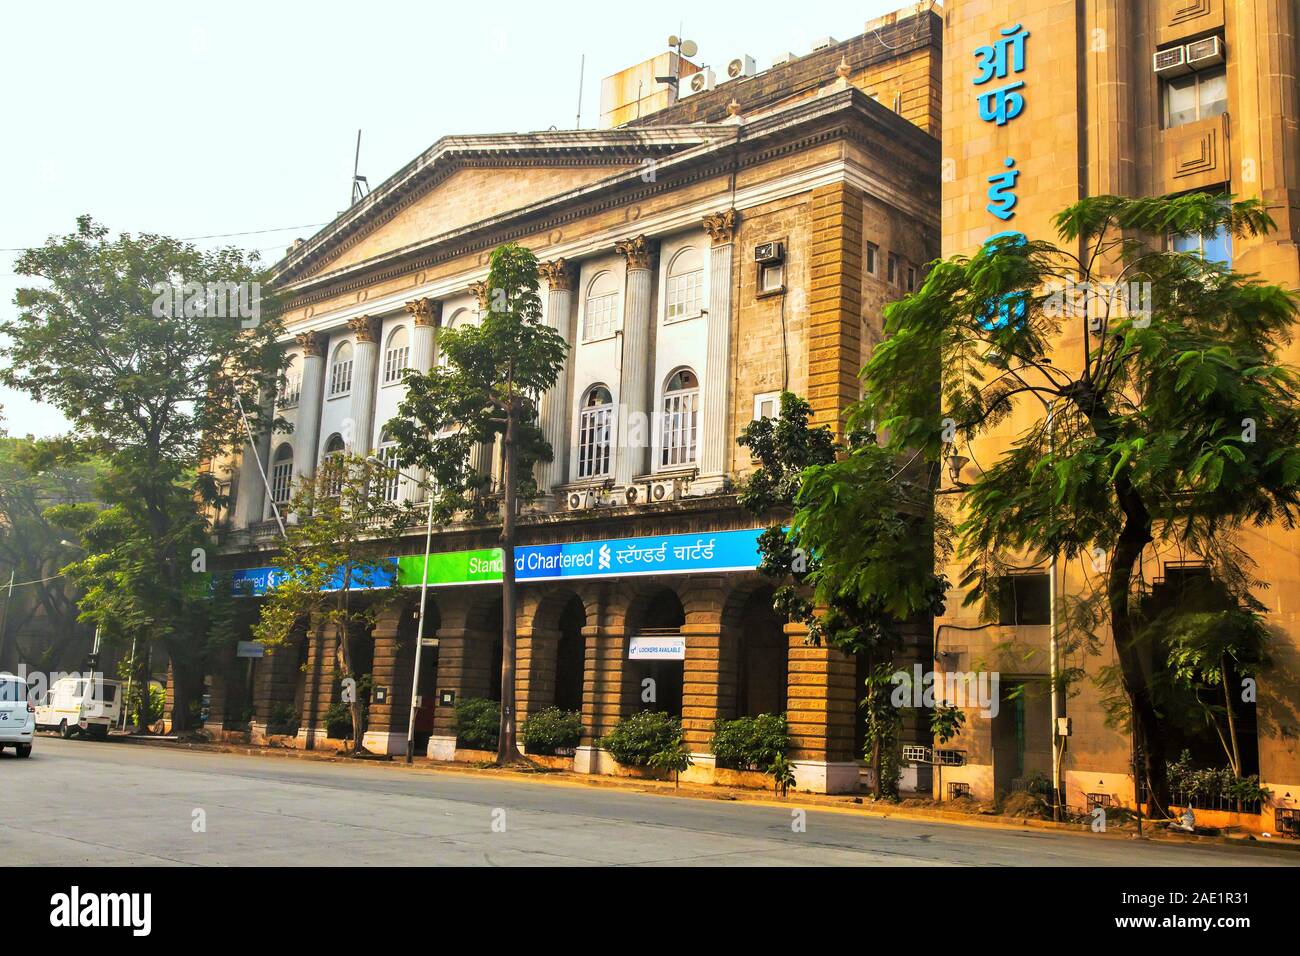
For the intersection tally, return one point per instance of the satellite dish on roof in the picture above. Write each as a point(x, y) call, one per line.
point(689, 48)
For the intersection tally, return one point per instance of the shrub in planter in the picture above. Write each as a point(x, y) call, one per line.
point(338, 722)
point(636, 739)
point(284, 720)
point(750, 743)
point(551, 730)
point(478, 721)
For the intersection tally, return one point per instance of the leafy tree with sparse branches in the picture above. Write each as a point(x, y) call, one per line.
point(1165, 420)
point(488, 385)
point(848, 567)
point(335, 568)
point(122, 335)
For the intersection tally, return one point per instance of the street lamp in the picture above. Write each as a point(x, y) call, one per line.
point(424, 593)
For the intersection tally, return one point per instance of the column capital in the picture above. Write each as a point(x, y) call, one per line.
point(480, 292)
point(639, 251)
point(558, 273)
point(311, 344)
point(425, 311)
point(721, 226)
point(364, 327)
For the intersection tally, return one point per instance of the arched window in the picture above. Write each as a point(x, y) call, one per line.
point(397, 355)
point(595, 425)
point(392, 481)
point(282, 474)
point(685, 291)
point(459, 319)
point(680, 420)
point(290, 385)
point(599, 312)
point(334, 450)
point(341, 370)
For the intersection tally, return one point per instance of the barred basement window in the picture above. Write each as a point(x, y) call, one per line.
point(595, 425)
point(396, 356)
point(341, 370)
point(282, 474)
point(680, 422)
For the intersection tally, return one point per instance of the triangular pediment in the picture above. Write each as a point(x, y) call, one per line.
point(464, 181)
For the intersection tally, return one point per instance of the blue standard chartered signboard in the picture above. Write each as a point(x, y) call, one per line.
point(621, 557)
point(711, 551)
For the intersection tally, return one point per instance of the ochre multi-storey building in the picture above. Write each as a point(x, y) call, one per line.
point(1127, 97)
point(714, 249)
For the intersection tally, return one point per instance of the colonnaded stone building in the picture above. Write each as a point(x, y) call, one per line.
point(717, 247)
point(1124, 97)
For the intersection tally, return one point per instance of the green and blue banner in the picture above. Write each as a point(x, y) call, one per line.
point(711, 551)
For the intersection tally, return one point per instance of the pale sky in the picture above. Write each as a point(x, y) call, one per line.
point(194, 119)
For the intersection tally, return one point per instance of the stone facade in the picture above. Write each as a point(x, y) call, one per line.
point(1093, 123)
point(648, 235)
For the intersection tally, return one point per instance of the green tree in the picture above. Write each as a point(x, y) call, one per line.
point(1171, 421)
point(32, 549)
point(335, 568)
point(489, 386)
point(848, 567)
point(142, 342)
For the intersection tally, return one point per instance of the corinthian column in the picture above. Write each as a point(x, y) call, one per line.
point(365, 362)
point(306, 433)
point(426, 314)
point(634, 426)
point(716, 390)
point(554, 411)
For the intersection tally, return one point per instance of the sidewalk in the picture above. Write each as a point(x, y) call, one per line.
point(842, 803)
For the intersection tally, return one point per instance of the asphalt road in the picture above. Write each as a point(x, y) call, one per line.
point(88, 803)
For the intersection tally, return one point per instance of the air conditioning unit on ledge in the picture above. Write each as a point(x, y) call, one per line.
point(664, 489)
point(581, 500)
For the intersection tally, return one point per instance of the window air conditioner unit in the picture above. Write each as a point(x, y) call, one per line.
point(739, 68)
point(700, 82)
point(668, 489)
point(769, 252)
point(1171, 62)
point(636, 494)
point(1202, 54)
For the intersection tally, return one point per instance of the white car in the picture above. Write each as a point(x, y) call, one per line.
point(77, 705)
point(17, 715)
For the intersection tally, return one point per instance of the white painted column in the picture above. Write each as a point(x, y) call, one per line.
point(634, 424)
point(365, 371)
point(306, 433)
point(250, 500)
point(484, 457)
point(554, 410)
point(426, 314)
point(716, 388)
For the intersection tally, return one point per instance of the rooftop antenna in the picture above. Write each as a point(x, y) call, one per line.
point(582, 67)
point(683, 48)
point(359, 185)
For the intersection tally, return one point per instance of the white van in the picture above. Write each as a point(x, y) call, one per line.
point(80, 705)
point(16, 725)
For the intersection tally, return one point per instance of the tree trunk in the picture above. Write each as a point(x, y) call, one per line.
point(187, 687)
point(507, 751)
point(1232, 720)
point(142, 674)
point(1133, 538)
